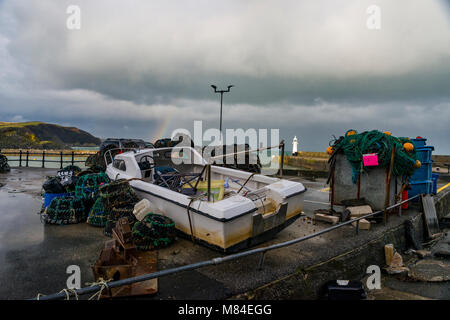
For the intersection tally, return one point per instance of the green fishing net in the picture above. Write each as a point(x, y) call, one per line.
point(356, 145)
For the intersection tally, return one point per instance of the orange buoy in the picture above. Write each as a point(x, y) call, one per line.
point(408, 147)
point(350, 133)
point(388, 133)
point(418, 164)
point(330, 150)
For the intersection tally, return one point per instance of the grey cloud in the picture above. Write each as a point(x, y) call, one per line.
point(310, 68)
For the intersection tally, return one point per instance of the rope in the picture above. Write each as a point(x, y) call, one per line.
point(67, 293)
point(39, 295)
point(103, 285)
point(248, 179)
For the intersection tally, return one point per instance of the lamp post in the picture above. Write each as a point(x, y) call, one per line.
point(221, 101)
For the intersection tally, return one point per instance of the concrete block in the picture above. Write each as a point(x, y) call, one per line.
point(326, 218)
point(363, 224)
point(356, 212)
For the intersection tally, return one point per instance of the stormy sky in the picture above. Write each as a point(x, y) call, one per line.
point(309, 68)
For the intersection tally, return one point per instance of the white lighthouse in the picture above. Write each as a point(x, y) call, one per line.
point(294, 145)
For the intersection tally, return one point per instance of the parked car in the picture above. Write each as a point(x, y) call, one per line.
point(121, 144)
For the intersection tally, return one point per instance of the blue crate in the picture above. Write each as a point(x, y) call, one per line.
point(434, 178)
point(48, 197)
point(420, 187)
point(419, 142)
point(423, 173)
point(424, 153)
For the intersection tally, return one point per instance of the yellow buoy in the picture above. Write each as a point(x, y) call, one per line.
point(408, 147)
point(330, 150)
point(350, 133)
point(418, 164)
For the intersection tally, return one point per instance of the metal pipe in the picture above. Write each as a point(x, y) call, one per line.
point(215, 261)
point(209, 181)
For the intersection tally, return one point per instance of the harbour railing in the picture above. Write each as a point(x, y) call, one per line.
point(24, 158)
point(102, 285)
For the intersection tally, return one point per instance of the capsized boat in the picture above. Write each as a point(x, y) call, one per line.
point(240, 210)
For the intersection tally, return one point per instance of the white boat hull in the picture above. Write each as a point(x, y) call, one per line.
point(228, 225)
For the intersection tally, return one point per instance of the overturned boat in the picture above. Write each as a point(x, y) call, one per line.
point(223, 208)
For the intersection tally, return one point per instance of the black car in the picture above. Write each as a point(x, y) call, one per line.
point(116, 143)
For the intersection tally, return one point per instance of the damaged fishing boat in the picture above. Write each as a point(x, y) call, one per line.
point(223, 208)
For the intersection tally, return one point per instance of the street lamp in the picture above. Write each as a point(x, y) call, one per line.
point(221, 101)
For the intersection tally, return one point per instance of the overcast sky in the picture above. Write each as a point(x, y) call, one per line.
point(310, 68)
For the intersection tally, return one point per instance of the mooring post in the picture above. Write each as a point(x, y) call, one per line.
point(261, 260)
point(282, 157)
point(61, 159)
point(72, 158)
point(28, 153)
point(20, 158)
point(43, 159)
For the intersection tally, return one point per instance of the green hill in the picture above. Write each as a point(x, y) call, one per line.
point(41, 135)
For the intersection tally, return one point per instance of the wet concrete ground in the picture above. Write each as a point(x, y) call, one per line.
point(427, 278)
point(34, 256)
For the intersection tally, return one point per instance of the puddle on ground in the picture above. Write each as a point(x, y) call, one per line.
point(20, 225)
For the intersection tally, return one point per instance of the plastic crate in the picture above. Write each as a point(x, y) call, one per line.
point(48, 197)
point(420, 187)
point(419, 142)
point(434, 178)
point(423, 173)
point(424, 153)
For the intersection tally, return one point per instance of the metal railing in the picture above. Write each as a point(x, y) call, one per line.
point(25, 157)
point(216, 261)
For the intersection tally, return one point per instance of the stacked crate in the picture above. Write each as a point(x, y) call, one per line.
point(421, 181)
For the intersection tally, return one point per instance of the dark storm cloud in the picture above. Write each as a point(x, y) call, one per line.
point(315, 65)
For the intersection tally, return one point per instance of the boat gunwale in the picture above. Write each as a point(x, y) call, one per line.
point(207, 214)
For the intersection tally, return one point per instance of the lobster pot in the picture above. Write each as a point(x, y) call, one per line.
point(67, 210)
point(97, 215)
point(118, 200)
point(88, 185)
